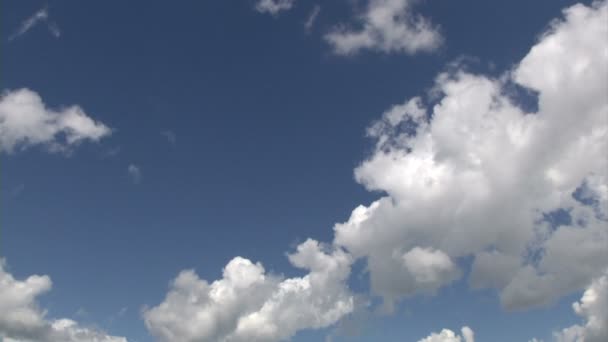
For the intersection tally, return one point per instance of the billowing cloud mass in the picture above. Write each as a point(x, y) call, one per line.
point(25, 121)
point(273, 7)
point(21, 320)
point(467, 172)
point(447, 335)
point(593, 308)
point(473, 173)
point(248, 304)
point(386, 26)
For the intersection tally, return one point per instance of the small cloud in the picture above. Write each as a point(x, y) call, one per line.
point(312, 18)
point(273, 7)
point(17, 190)
point(41, 16)
point(135, 173)
point(26, 121)
point(170, 135)
point(110, 153)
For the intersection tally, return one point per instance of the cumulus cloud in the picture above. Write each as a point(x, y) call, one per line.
point(470, 172)
point(273, 7)
point(466, 172)
point(447, 335)
point(22, 320)
point(593, 308)
point(386, 26)
point(248, 304)
point(41, 16)
point(25, 121)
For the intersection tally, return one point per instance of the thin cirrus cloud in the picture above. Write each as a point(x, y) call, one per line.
point(25, 121)
point(474, 175)
point(39, 17)
point(312, 18)
point(22, 320)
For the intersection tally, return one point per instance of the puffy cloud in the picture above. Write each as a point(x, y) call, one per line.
point(248, 304)
point(593, 307)
point(386, 26)
point(21, 319)
point(25, 121)
point(447, 335)
point(473, 173)
point(273, 7)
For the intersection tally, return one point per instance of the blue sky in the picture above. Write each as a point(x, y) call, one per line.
point(215, 129)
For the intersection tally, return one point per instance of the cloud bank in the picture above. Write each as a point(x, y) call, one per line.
point(25, 121)
point(471, 173)
point(466, 172)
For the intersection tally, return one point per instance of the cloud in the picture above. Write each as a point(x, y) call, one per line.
point(22, 320)
point(170, 136)
point(447, 335)
point(465, 172)
point(248, 304)
point(471, 173)
point(273, 7)
point(41, 16)
point(135, 173)
point(25, 121)
point(387, 26)
point(593, 308)
point(312, 18)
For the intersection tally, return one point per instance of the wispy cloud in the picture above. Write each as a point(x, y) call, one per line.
point(135, 173)
point(40, 17)
point(170, 135)
point(312, 18)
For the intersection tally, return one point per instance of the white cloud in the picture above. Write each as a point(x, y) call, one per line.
point(312, 18)
point(447, 335)
point(25, 121)
point(22, 320)
point(471, 173)
point(273, 7)
point(41, 16)
point(248, 304)
point(474, 174)
point(135, 173)
point(387, 26)
point(593, 307)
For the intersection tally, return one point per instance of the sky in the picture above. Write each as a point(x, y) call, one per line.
point(291, 170)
